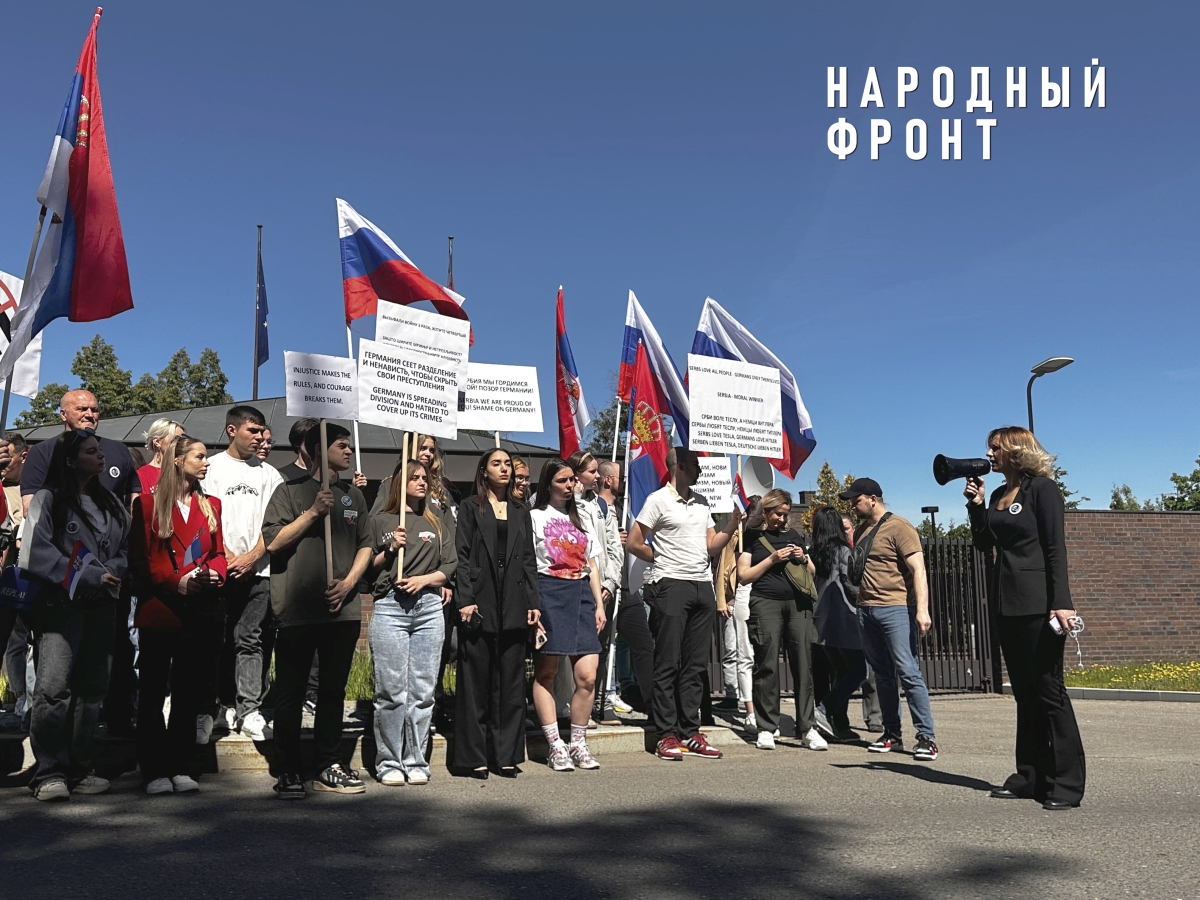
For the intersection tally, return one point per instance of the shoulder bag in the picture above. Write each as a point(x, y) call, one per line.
point(860, 551)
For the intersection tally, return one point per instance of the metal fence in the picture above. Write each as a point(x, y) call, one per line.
point(960, 652)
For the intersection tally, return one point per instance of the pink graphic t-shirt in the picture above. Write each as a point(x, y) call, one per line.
point(562, 550)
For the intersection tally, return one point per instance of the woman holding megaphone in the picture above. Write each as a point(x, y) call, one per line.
point(1023, 523)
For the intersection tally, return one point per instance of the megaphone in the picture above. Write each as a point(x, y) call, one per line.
point(946, 469)
point(757, 476)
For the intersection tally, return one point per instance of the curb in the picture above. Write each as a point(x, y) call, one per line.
point(1085, 693)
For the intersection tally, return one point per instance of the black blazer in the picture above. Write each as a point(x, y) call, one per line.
point(1030, 576)
point(478, 573)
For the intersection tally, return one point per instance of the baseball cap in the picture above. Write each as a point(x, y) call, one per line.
point(868, 486)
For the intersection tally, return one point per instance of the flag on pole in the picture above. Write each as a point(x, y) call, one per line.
point(740, 500)
point(573, 416)
point(27, 372)
point(80, 557)
point(192, 555)
point(260, 321)
point(721, 335)
point(648, 439)
point(639, 328)
point(81, 271)
point(374, 268)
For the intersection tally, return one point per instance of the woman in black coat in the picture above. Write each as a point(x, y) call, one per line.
point(497, 599)
point(1023, 523)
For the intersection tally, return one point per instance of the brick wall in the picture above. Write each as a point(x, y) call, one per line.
point(1135, 579)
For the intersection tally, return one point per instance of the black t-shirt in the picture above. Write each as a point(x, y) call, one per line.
point(292, 473)
point(119, 475)
point(774, 584)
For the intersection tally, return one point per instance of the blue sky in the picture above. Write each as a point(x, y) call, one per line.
point(678, 150)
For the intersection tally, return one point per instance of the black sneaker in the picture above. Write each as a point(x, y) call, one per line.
point(338, 780)
point(886, 744)
point(926, 750)
point(290, 787)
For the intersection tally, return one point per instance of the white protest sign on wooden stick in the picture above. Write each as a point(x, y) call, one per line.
point(715, 484)
point(323, 387)
point(406, 391)
point(501, 398)
point(735, 407)
point(406, 329)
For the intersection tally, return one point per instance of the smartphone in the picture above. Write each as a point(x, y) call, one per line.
point(539, 639)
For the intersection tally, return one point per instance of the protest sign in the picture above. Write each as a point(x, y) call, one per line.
point(407, 391)
point(501, 398)
point(735, 407)
point(409, 330)
point(324, 387)
point(715, 484)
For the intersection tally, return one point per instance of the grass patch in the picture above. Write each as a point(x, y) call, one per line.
point(361, 683)
point(1156, 676)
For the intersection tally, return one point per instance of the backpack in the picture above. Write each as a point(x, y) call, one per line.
point(860, 551)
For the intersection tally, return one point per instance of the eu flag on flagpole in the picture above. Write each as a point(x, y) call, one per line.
point(260, 325)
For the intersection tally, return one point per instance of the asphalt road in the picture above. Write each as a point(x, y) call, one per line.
point(788, 824)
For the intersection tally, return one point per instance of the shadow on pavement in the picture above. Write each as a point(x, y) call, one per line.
point(401, 844)
point(922, 772)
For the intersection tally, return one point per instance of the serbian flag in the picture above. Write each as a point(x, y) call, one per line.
point(374, 268)
point(640, 330)
point(80, 556)
point(193, 554)
point(740, 500)
point(648, 439)
point(81, 272)
point(573, 416)
point(721, 335)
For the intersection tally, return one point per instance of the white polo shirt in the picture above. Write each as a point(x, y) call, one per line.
point(680, 535)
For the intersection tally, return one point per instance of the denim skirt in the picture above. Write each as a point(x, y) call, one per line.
point(569, 616)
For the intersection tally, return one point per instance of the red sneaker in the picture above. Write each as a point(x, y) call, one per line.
point(669, 748)
point(699, 746)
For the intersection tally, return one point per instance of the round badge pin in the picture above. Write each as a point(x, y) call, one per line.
point(346, 500)
point(72, 528)
point(1015, 509)
point(114, 472)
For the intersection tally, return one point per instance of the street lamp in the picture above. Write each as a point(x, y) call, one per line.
point(1046, 366)
point(931, 511)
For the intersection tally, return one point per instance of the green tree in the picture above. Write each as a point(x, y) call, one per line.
point(96, 367)
point(828, 487)
point(205, 380)
point(1186, 496)
point(1123, 499)
point(171, 384)
point(960, 531)
point(1058, 475)
point(43, 408)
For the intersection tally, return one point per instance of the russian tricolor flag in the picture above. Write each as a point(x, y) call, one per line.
point(573, 416)
point(639, 330)
point(193, 554)
point(721, 335)
point(81, 270)
point(374, 268)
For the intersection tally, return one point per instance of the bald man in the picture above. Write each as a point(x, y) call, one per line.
point(80, 410)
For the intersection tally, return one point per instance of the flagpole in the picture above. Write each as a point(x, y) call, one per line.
point(450, 266)
point(257, 312)
point(739, 520)
point(357, 452)
point(617, 430)
point(37, 234)
point(612, 635)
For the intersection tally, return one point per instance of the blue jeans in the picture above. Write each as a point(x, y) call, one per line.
point(406, 636)
point(889, 635)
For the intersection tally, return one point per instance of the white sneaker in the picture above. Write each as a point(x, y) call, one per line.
point(416, 776)
point(93, 784)
point(52, 789)
point(823, 722)
point(559, 758)
point(392, 778)
point(619, 705)
point(184, 784)
point(160, 786)
point(765, 741)
point(255, 727)
point(814, 741)
point(204, 729)
point(223, 722)
point(751, 723)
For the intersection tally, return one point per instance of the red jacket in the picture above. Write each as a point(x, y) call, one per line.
point(159, 564)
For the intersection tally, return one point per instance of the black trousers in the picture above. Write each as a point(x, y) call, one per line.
point(775, 623)
point(175, 661)
point(631, 626)
point(1050, 761)
point(682, 618)
point(489, 699)
point(295, 645)
point(120, 704)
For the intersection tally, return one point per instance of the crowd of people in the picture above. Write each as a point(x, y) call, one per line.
point(206, 590)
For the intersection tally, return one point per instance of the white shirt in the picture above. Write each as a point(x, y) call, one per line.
point(680, 535)
point(562, 550)
point(244, 488)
